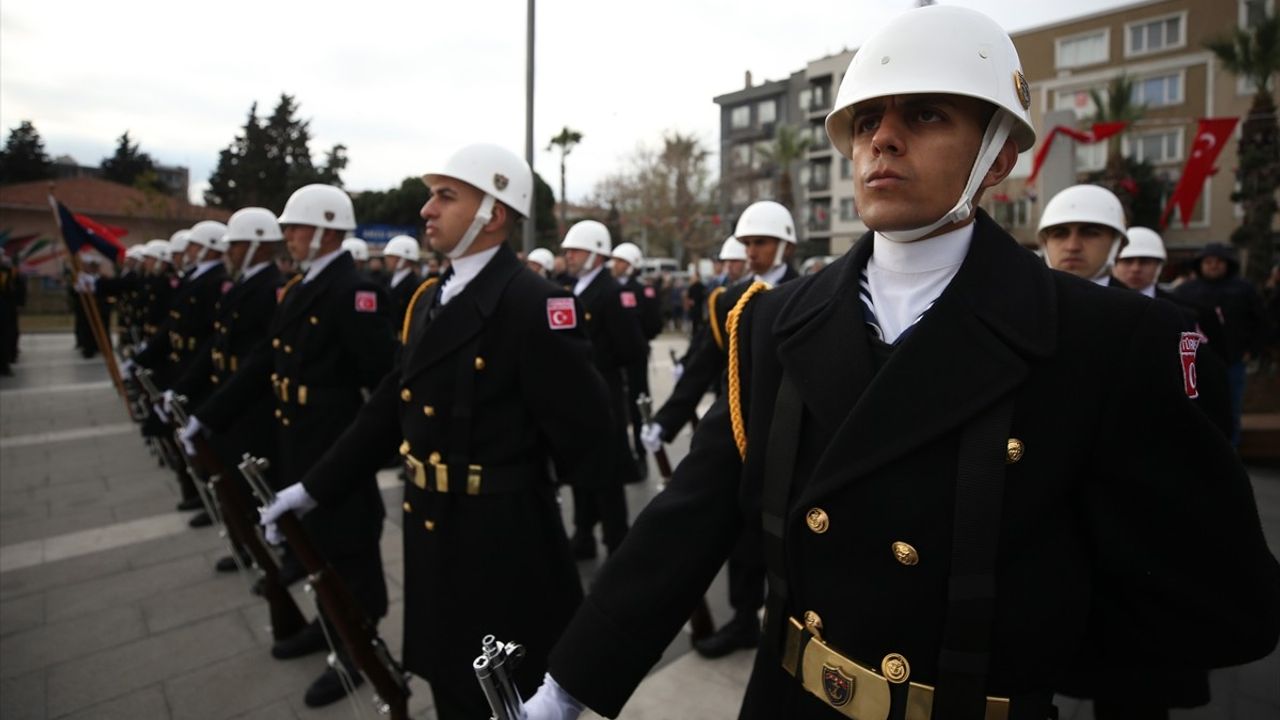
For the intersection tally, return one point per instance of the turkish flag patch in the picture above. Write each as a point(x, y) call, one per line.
point(628, 298)
point(562, 314)
point(649, 292)
point(1187, 347)
point(175, 282)
point(366, 301)
point(226, 286)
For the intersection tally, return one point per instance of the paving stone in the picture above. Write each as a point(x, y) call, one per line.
point(275, 711)
point(62, 573)
point(114, 672)
point(125, 587)
point(184, 544)
point(146, 703)
point(37, 529)
point(51, 644)
point(239, 684)
point(23, 698)
point(21, 614)
point(180, 606)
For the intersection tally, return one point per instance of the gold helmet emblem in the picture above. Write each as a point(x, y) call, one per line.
point(500, 181)
point(1022, 88)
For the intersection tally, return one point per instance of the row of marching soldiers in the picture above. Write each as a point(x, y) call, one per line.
point(493, 383)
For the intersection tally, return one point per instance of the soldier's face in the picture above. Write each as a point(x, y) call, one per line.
point(236, 253)
point(734, 269)
point(575, 262)
point(1213, 268)
point(297, 238)
point(761, 252)
point(620, 268)
point(1081, 249)
point(449, 212)
point(912, 155)
point(1137, 273)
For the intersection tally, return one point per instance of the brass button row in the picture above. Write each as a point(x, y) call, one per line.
point(894, 666)
point(819, 522)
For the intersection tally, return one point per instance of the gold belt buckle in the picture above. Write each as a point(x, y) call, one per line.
point(442, 477)
point(284, 389)
point(233, 363)
point(419, 471)
point(302, 389)
point(473, 479)
point(846, 686)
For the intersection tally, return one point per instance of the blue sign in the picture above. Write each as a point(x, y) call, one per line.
point(378, 235)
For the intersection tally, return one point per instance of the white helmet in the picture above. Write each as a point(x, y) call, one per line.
point(254, 225)
point(209, 235)
point(403, 246)
point(320, 206)
point(630, 254)
point(768, 219)
point(940, 49)
point(358, 248)
point(1084, 204)
point(178, 241)
point(732, 250)
point(134, 252)
point(1144, 243)
point(591, 236)
point(543, 257)
point(495, 171)
point(158, 250)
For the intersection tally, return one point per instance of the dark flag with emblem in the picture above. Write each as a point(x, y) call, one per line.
point(81, 230)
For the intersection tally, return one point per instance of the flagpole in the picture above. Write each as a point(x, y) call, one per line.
point(90, 307)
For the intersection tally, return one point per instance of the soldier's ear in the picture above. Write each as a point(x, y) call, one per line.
point(498, 220)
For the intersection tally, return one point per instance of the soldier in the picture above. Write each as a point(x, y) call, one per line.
point(767, 230)
point(331, 338)
point(617, 342)
point(13, 292)
point(642, 301)
point(358, 249)
point(495, 381)
point(541, 261)
point(1081, 231)
point(957, 507)
point(401, 254)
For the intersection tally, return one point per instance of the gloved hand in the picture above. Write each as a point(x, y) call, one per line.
point(293, 498)
point(651, 437)
point(158, 409)
point(166, 401)
point(551, 702)
point(188, 434)
point(128, 368)
point(676, 371)
point(86, 283)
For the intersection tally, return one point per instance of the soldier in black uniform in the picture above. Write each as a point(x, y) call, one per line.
point(401, 255)
point(330, 338)
point(13, 295)
point(494, 383)
point(642, 301)
point(959, 506)
point(617, 342)
point(243, 316)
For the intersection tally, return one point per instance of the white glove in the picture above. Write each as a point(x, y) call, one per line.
point(293, 498)
point(158, 408)
point(166, 401)
point(551, 702)
point(129, 368)
point(188, 434)
point(676, 371)
point(651, 437)
point(86, 283)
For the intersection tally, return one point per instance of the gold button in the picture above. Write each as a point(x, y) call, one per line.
point(905, 554)
point(588, 316)
point(429, 525)
point(434, 458)
point(813, 623)
point(279, 412)
point(407, 506)
point(285, 421)
point(817, 520)
point(1013, 451)
point(405, 394)
point(404, 448)
point(235, 315)
point(287, 349)
point(275, 377)
point(428, 411)
point(224, 331)
point(314, 320)
point(895, 668)
point(217, 325)
point(275, 343)
point(479, 363)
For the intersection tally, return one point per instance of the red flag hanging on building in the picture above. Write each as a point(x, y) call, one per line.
point(1096, 134)
point(1211, 136)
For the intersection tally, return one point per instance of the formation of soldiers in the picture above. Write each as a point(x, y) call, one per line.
point(956, 480)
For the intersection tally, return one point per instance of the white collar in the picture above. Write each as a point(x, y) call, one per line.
point(1104, 280)
point(1149, 291)
point(933, 253)
point(774, 275)
point(204, 267)
point(586, 280)
point(465, 269)
point(401, 274)
point(319, 264)
point(254, 270)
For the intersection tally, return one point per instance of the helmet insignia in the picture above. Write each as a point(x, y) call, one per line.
point(328, 215)
point(1023, 90)
point(258, 232)
point(500, 181)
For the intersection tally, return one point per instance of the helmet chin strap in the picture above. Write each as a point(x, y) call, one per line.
point(992, 143)
point(248, 259)
point(313, 248)
point(484, 214)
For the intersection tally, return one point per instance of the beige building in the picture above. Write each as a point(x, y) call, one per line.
point(1159, 45)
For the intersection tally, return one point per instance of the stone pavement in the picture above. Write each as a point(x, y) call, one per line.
point(109, 605)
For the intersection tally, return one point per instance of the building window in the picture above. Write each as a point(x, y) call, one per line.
point(762, 155)
point(767, 111)
point(741, 194)
point(1078, 101)
point(817, 98)
point(848, 212)
point(846, 168)
point(1085, 49)
point(764, 189)
point(819, 216)
point(805, 96)
point(1158, 90)
point(1148, 36)
point(740, 156)
point(1252, 12)
point(1091, 158)
point(1164, 146)
point(1012, 213)
point(740, 117)
point(819, 177)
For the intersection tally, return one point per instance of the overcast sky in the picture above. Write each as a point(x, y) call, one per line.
point(403, 84)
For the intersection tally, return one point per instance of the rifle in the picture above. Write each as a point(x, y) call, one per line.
point(358, 634)
point(645, 403)
point(286, 619)
point(493, 671)
point(172, 451)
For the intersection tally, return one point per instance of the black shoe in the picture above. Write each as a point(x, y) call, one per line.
point(291, 571)
point(328, 689)
point(737, 634)
point(189, 504)
point(227, 564)
point(199, 520)
point(584, 546)
point(308, 640)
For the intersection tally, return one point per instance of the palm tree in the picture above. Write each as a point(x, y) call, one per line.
point(788, 147)
point(566, 141)
point(1255, 56)
point(1116, 105)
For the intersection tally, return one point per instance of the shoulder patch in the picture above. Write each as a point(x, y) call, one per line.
point(562, 314)
point(226, 286)
point(175, 282)
point(628, 298)
point(649, 292)
point(1188, 344)
point(366, 301)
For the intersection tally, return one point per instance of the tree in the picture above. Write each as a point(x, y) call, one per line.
point(23, 157)
point(130, 166)
point(1142, 190)
point(397, 206)
point(566, 141)
point(1255, 56)
point(787, 148)
point(269, 159)
point(546, 232)
point(1117, 105)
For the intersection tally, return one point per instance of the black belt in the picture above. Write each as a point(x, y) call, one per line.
point(469, 479)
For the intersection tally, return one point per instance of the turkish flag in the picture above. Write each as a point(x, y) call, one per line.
point(1097, 133)
point(1211, 136)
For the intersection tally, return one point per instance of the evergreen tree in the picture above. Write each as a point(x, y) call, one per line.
point(546, 230)
point(23, 157)
point(130, 166)
point(397, 206)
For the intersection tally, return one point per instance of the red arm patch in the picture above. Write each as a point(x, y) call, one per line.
point(366, 301)
point(628, 298)
point(649, 292)
point(562, 314)
point(1187, 347)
